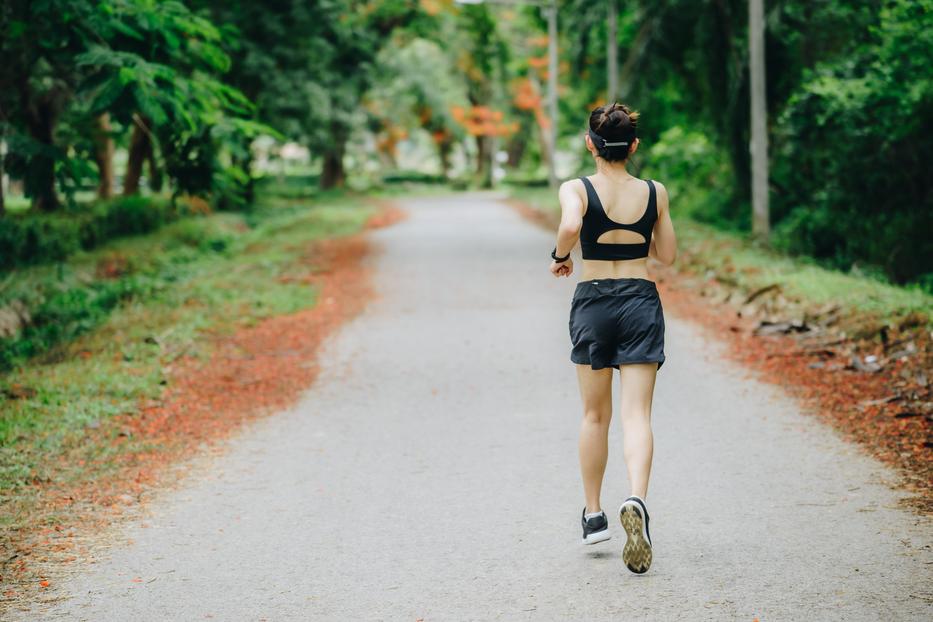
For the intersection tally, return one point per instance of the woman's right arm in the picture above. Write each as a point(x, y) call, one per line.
point(568, 232)
point(663, 241)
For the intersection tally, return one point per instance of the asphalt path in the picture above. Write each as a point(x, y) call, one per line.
point(431, 473)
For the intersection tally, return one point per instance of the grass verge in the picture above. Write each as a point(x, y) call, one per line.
point(185, 288)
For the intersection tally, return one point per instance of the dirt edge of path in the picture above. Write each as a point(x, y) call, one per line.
point(258, 370)
point(884, 411)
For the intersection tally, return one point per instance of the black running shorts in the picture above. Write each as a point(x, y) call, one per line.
point(615, 322)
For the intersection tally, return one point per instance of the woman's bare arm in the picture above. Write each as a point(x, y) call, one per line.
point(663, 245)
point(568, 232)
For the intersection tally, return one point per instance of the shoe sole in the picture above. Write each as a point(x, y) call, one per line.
point(599, 536)
point(637, 551)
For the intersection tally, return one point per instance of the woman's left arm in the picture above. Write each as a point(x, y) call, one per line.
point(663, 245)
point(568, 232)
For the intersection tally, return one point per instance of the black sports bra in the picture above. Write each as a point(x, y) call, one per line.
point(596, 223)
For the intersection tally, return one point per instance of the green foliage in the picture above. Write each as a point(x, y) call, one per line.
point(31, 238)
point(697, 175)
point(850, 106)
point(402, 177)
point(67, 300)
point(853, 148)
point(848, 89)
point(133, 59)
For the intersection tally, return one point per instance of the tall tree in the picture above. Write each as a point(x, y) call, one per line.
point(103, 154)
point(355, 30)
point(39, 42)
point(482, 61)
point(759, 117)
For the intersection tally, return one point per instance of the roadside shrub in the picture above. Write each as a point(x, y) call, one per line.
point(64, 315)
point(30, 239)
point(696, 174)
point(853, 147)
point(398, 177)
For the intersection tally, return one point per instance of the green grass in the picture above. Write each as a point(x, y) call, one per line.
point(730, 255)
point(196, 276)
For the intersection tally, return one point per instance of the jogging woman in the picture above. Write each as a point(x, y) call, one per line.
point(616, 319)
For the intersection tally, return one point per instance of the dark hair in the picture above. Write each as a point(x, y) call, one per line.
point(613, 123)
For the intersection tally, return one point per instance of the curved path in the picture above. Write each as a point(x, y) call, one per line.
point(431, 473)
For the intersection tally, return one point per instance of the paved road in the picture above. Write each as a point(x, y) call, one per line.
point(432, 474)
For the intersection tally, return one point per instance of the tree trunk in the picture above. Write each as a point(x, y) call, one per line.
point(103, 155)
point(40, 176)
point(759, 119)
point(444, 148)
point(2, 176)
point(552, 107)
point(155, 173)
point(483, 161)
point(140, 151)
point(612, 54)
point(542, 122)
point(245, 164)
point(41, 115)
point(333, 175)
point(516, 148)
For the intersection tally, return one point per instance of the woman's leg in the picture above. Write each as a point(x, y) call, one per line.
point(596, 392)
point(638, 442)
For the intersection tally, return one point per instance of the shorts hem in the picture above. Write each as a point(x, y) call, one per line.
point(615, 364)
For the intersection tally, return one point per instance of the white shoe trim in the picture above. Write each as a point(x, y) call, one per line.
point(599, 536)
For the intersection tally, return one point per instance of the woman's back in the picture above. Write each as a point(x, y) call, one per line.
point(618, 222)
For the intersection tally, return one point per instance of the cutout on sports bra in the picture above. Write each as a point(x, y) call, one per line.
point(621, 236)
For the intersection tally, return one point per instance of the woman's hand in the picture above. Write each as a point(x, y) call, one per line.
point(564, 268)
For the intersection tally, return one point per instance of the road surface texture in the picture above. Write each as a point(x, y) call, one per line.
point(431, 473)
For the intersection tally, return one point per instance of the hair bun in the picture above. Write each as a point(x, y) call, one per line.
point(614, 122)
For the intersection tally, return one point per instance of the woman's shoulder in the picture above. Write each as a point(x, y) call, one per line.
point(658, 185)
point(574, 188)
point(574, 185)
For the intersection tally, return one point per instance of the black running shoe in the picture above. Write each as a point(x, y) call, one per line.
point(595, 529)
point(637, 551)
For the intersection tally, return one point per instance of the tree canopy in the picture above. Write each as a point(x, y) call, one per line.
point(183, 88)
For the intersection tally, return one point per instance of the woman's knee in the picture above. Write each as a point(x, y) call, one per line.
point(597, 416)
point(635, 411)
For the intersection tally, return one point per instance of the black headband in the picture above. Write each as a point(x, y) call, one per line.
point(597, 139)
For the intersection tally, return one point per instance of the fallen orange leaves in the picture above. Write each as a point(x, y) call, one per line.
point(257, 370)
point(846, 399)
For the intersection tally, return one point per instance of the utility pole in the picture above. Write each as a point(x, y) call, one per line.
point(552, 89)
point(759, 119)
point(612, 53)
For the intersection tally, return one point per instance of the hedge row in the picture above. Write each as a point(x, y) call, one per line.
point(29, 239)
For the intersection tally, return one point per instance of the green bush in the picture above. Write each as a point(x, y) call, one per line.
point(65, 314)
point(696, 174)
point(398, 177)
point(30, 239)
point(852, 149)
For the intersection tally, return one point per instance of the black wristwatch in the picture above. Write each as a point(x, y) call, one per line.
point(559, 259)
